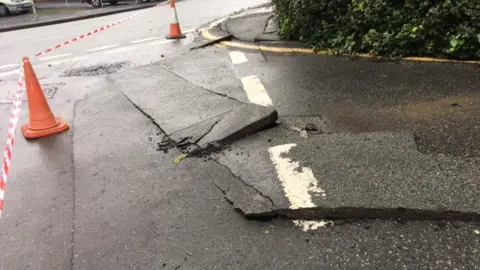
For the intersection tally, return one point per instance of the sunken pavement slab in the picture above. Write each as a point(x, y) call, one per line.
point(194, 117)
point(369, 175)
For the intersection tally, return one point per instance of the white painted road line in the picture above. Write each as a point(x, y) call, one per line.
point(298, 183)
point(9, 66)
point(310, 225)
point(255, 90)
point(117, 50)
point(67, 60)
point(145, 40)
point(11, 72)
point(103, 48)
point(54, 57)
point(238, 57)
point(160, 42)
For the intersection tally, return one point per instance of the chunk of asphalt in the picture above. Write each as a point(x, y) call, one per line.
point(307, 122)
point(239, 123)
point(194, 133)
point(354, 176)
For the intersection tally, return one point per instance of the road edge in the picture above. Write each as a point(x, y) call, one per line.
point(78, 18)
point(291, 47)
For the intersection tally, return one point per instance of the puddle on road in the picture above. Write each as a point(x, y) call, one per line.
point(449, 126)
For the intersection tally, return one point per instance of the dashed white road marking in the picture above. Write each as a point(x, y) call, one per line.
point(255, 90)
point(103, 48)
point(9, 66)
point(8, 73)
point(145, 40)
point(55, 57)
point(67, 60)
point(299, 185)
point(117, 50)
point(238, 57)
point(160, 42)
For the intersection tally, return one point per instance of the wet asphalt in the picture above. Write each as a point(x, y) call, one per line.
point(103, 195)
point(438, 102)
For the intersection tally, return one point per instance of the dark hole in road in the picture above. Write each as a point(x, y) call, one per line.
point(100, 69)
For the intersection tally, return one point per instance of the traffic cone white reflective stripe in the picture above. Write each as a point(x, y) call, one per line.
point(175, 32)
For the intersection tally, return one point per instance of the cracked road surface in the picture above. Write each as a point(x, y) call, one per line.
point(108, 195)
point(133, 208)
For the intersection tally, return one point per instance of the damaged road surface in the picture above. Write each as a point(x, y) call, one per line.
point(345, 176)
point(194, 118)
point(321, 175)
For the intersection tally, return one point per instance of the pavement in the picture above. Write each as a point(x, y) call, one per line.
point(59, 12)
point(117, 192)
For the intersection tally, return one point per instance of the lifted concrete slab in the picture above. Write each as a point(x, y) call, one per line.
point(240, 123)
point(195, 117)
point(254, 27)
point(209, 69)
point(371, 175)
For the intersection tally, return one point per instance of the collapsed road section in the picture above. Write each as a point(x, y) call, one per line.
point(194, 117)
point(344, 176)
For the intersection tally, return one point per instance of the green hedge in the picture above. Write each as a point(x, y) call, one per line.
point(388, 28)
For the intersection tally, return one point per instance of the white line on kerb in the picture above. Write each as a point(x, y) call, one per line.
point(238, 57)
point(255, 90)
point(54, 57)
point(144, 40)
point(9, 66)
point(117, 50)
point(102, 48)
point(298, 185)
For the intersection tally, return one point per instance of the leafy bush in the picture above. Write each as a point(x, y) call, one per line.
point(390, 28)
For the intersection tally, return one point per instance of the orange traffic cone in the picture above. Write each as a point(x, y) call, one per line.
point(175, 32)
point(42, 122)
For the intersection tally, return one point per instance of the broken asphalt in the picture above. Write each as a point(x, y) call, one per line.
point(55, 13)
point(197, 113)
point(390, 139)
point(107, 194)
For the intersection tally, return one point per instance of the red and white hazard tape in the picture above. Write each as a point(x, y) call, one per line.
point(98, 30)
point(12, 127)
point(18, 98)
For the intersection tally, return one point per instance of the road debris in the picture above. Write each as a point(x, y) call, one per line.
point(180, 158)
